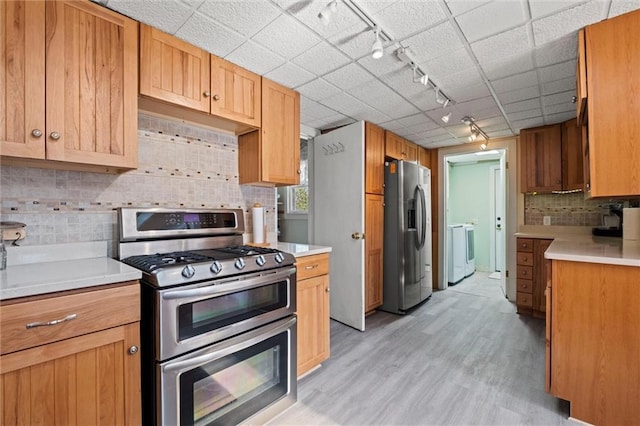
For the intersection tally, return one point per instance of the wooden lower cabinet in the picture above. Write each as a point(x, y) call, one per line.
point(91, 378)
point(593, 341)
point(531, 276)
point(373, 249)
point(312, 298)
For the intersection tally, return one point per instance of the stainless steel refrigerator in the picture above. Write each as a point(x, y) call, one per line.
point(407, 236)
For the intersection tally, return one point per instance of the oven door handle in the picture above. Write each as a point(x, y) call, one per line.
point(228, 286)
point(258, 335)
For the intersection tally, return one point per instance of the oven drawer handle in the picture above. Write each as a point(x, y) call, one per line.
point(226, 286)
point(269, 331)
point(53, 322)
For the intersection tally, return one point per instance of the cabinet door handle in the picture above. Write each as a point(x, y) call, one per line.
point(206, 94)
point(133, 350)
point(54, 135)
point(311, 266)
point(54, 322)
point(36, 133)
point(327, 290)
point(216, 97)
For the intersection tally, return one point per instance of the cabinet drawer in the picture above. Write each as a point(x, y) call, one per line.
point(524, 299)
point(525, 286)
point(525, 258)
point(525, 244)
point(525, 272)
point(312, 266)
point(94, 310)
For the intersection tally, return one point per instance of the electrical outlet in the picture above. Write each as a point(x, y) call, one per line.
point(546, 220)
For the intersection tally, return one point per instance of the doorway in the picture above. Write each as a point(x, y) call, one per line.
point(474, 195)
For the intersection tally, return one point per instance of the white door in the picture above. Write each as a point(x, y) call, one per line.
point(338, 217)
point(497, 233)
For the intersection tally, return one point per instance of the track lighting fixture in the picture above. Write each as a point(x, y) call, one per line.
point(328, 11)
point(475, 131)
point(446, 118)
point(376, 49)
point(483, 146)
point(473, 136)
point(441, 98)
point(417, 78)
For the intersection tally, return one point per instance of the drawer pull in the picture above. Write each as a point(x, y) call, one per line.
point(525, 258)
point(311, 266)
point(54, 322)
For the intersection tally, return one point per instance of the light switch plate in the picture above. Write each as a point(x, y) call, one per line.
point(546, 220)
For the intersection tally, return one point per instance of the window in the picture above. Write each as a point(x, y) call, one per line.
point(298, 195)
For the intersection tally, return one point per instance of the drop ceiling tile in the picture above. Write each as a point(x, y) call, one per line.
point(371, 91)
point(567, 21)
point(413, 120)
point(424, 126)
point(286, 36)
point(557, 51)
point(433, 42)
point(392, 125)
point(558, 98)
point(492, 123)
point(371, 7)
point(402, 82)
point(424, 100)
point(389, 63)
point(458, 7)
point(349, 76)
point(346, 104)
point(290, 75)
point(492, 18)
point(256, 58)
point(528, 123)
point(459, 130)
point(558, 71)
point(209, 35)
point(558, 108)
point(491, 130)
point(484, 114)
point(559, 118)
point(523, 115)
point(404, 18)
point(451, 63)
point(468, 108)
point(168, 16)
point(396, 109)
point(318, 89)
point(246, 17)
point(331, 121)
point(503, 67)
point(321, 59)
point(522, 105)
point(619, 7)
point(562, 85)
point(313, 109)
point(515, 82)
point(506, 44)
point(306, 11)
point(402, 132)
point(435, 133)
point(519, 94)
point(501, 134)
point(543, 8)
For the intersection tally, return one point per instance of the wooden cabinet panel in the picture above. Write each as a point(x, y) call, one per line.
point(91, 96)
point(424, 157)
point(541, 163)
point(531, 276)
point(524, 299)
point(374, 159)
point(539, 275)
point(90, 380)
point(525, 258)
point(525, 244)
point(613, 72)
point(572, 161)
point(312, 266)
point(236, 93)
point(411, 151)
point(399, 148)
point(524, 286)
point(373, 247)
point(22, 78)
point(313, 322)
point(173, 70)
point(581, 80)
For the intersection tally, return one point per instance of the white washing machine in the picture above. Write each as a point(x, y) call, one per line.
point(456, 253)
point(470, 260)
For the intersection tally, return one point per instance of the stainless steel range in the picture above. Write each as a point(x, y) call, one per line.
point(218, 318)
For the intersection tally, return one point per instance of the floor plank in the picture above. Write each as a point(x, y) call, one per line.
point(462, 358)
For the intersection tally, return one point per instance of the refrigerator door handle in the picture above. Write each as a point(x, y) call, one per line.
point(421, 234)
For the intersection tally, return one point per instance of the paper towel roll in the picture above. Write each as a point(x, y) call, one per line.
point(631, 223)
point(258, 223)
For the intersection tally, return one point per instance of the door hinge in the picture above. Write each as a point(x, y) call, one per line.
point(506, 273)
point(506, 165)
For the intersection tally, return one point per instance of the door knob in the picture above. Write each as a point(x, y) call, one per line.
point(355, 235)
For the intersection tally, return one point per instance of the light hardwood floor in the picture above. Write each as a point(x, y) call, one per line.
point(462, 358)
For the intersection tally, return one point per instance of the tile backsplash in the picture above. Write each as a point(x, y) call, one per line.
point(179, 165)
point(564, 209)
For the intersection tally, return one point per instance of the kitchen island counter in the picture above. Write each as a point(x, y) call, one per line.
point(604, 250)
point(300, 250)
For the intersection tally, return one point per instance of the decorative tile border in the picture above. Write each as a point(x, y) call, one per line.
point(564, 209)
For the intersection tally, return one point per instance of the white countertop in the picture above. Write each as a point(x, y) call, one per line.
point(300, 250)
point(612, 251)
point(553, 232)
point(34, 270)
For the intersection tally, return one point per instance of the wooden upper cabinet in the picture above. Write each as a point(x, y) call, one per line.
point(411, 151)
point(424, 157)
point(540, 159)
point(91, 99)
point(581, 79)
point(399, 148)
point(235, 92)
point(374, 159)
point(73, 98)
point(173, 70)
point(613, 73)
point(572, 159)
point(22, 92)
point(271, 155)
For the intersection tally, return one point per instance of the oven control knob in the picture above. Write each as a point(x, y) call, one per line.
point(239, 263)
point(216, 267)
point(260, 260)
point(279, 257)
point(188, 271)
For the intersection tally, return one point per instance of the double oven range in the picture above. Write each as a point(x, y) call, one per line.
point(218, 328)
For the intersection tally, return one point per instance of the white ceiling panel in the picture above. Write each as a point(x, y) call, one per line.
point(349, 76)
point(525, 124)
point(452, 63)
point(618, 7)
point(558, 71)
point(543, 8)
point(318, 89)
point(331, 122)
point(356, 41)
point(422, 127)
point(560, 50)
point(286, 36)
point(389, 63)
point(479, 104)
point(321, 59)
point(255, 58)
point(519, 94)
point(515, 82)
point(372, 7)
point(433, 42)
point(523, 115)
point(558, 118)
point(307, 12)
point(246, 17)
point(522, 105)
point(506, 66)
point(509, 43)
point(167, 16)
point(562, 85)
point(373, 90)
point(290, 75)
point(203, 31)
point(314, 109)
point(558, 98)
point(404, 18)
point(395, 108)
point(492, 18)
point(458, 7)
point(566, 22)
point(558, 108)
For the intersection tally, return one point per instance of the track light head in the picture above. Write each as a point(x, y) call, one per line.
point(473, 136)
point(446, 118)
point(377, 50)
point(326, 13)
point(441, 98)
point(483, 146)
point(467, 120)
